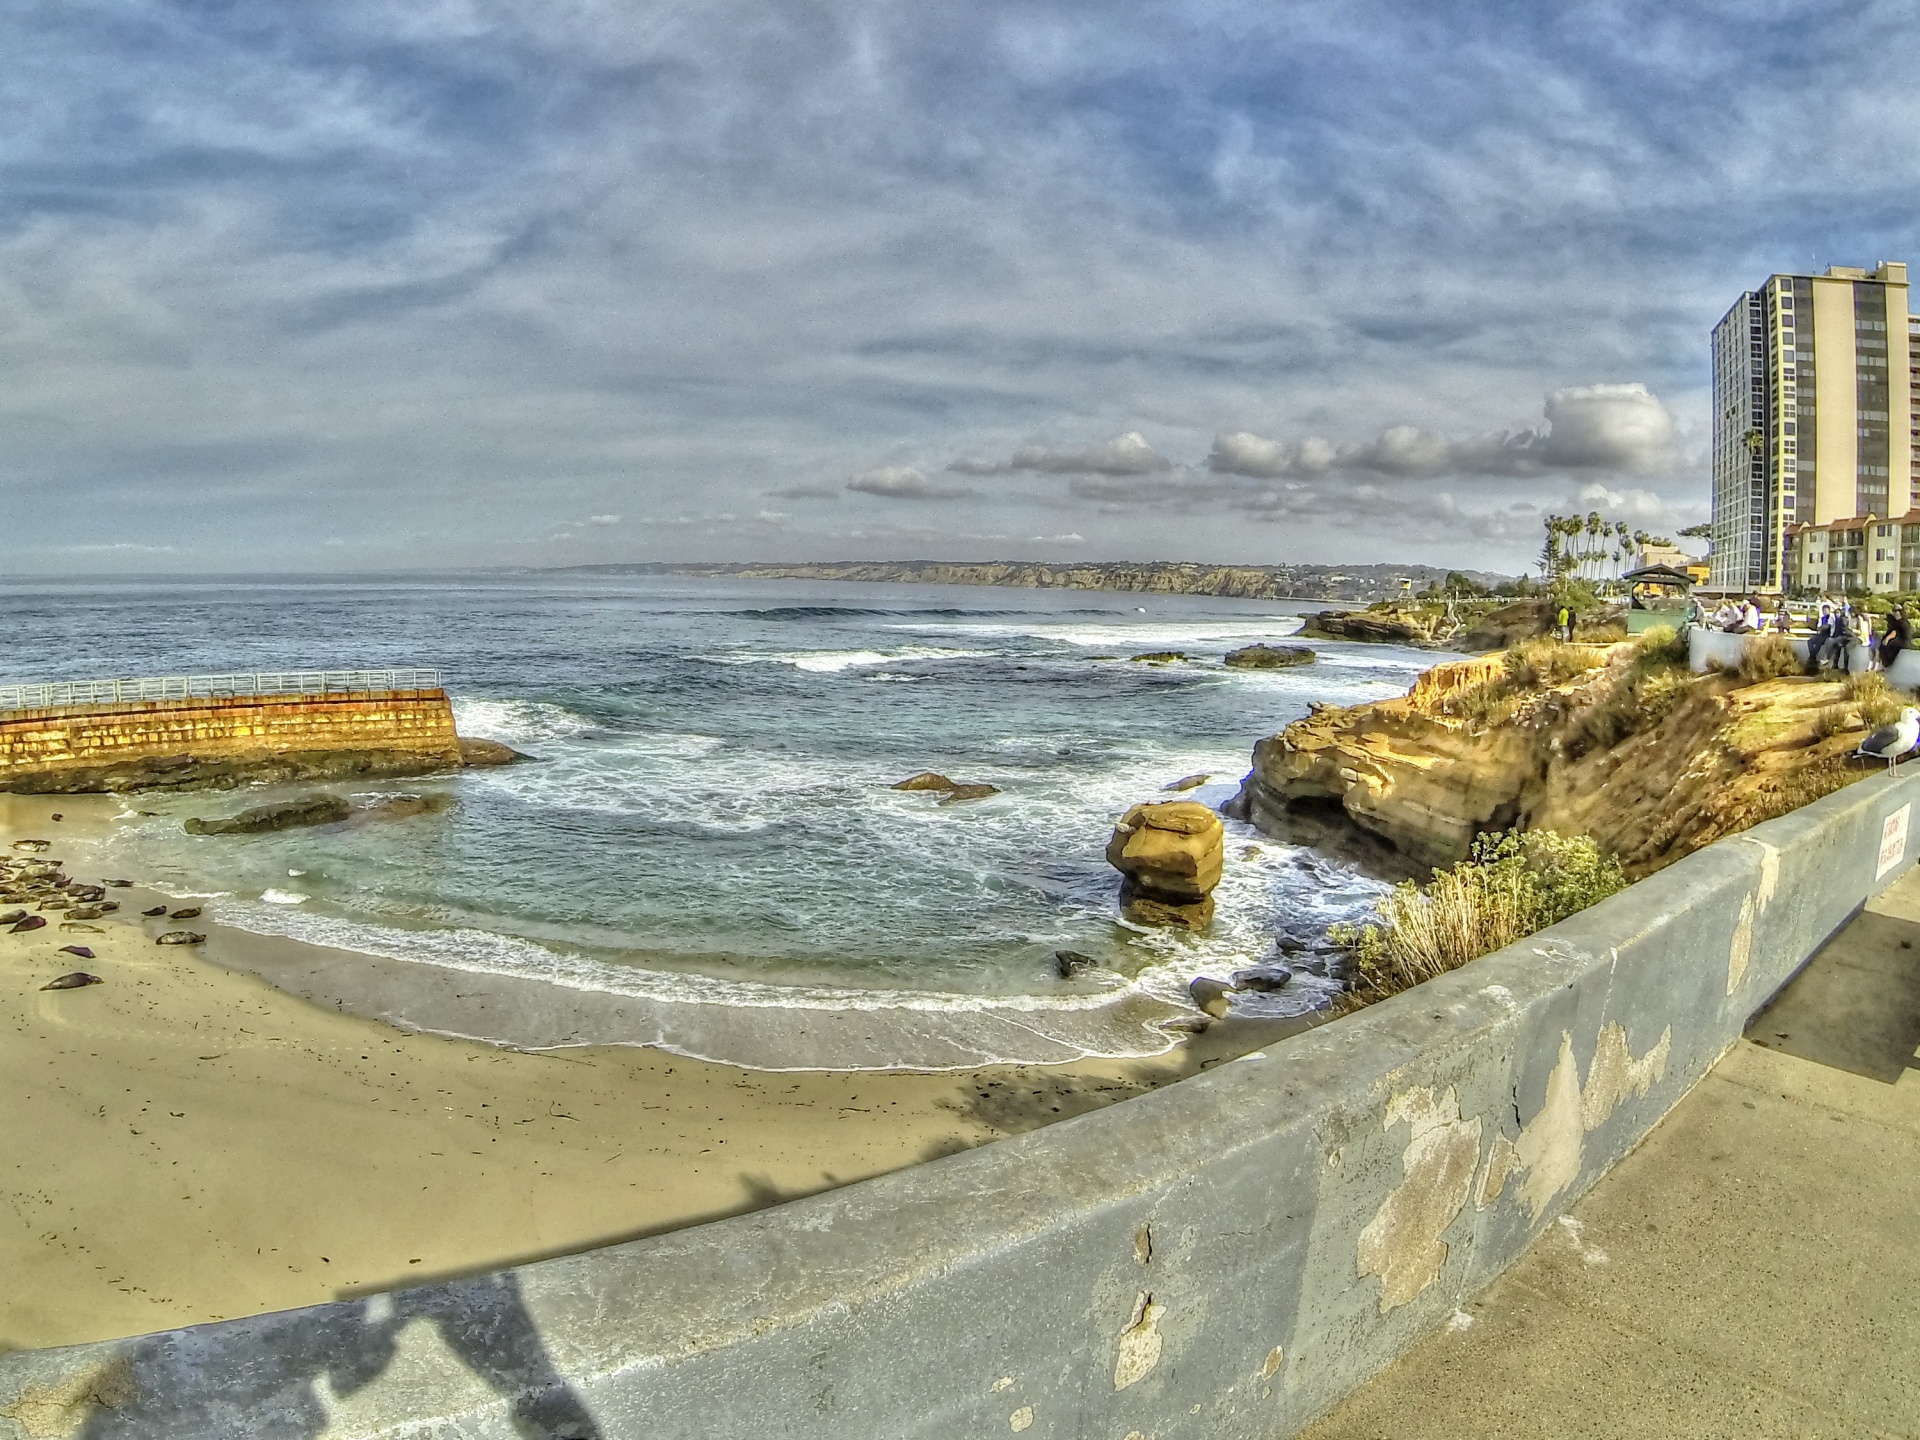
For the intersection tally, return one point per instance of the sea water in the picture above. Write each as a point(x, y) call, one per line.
point(706, 824)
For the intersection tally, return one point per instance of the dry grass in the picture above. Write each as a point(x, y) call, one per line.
point(1645, 691)
point(1513, 885)
point(1536, 664)
point(1768, 657)
point(1878, 705)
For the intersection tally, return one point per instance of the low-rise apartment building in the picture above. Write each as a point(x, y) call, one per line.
point(1857, 555)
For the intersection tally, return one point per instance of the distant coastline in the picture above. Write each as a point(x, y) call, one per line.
point(1146, 577)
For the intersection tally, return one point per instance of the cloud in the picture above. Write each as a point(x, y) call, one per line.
point(1127, 454)
point(603, 519)
point(902, 482)
point(1619, 428)
point(806, 492)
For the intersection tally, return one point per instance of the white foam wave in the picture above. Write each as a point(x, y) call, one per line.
point(833, 662)
point(1124, 636)
point(283, 897)
point(516, 721)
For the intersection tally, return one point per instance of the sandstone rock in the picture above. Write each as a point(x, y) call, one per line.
point(1210, 996)
point(1188, 782)
point(1508, 626)
point(1270, 657)
point(925, 780)
point(1379, 627)
point(1171, 852)
point(953, 789)
point(281, 815)
point(487, 752)
point(1145, 910)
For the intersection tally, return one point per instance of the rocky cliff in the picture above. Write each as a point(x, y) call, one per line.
point(1650, 761)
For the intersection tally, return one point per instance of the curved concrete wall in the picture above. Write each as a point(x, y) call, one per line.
point(1707, 647)
point(1223, 1258)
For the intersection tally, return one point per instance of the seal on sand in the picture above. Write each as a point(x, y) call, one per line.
point(73, 980)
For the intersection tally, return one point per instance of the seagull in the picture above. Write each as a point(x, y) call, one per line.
point(1890, 742)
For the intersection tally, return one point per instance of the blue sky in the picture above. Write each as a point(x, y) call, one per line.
point(356, 285)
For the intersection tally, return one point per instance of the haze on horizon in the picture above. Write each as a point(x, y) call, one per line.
point(350, 285)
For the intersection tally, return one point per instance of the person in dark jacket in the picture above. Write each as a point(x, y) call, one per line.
point(1899, 637)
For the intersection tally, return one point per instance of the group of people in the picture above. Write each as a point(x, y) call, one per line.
point(1838, 628)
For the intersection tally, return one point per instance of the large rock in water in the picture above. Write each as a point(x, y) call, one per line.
point(1269, 657)
point(1171, 856)
point(283, 815)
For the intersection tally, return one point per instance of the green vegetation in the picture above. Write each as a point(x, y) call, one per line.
point(1768, 657)
point(1512, 885)
point(1644, 692)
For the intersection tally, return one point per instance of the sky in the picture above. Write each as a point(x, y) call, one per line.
point(355, 285)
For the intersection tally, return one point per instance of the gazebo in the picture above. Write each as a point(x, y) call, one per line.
point(1657, 595)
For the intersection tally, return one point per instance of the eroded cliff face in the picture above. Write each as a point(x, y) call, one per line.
point(1425, 778)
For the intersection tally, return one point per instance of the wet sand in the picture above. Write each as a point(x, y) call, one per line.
point(186, 1143)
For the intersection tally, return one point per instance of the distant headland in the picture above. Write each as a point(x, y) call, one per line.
point(1154, 577)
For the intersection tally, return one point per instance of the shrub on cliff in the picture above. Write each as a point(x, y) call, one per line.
point(1512, 885)
point(1644, 692)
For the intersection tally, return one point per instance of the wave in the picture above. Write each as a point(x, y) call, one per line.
point(832, 662)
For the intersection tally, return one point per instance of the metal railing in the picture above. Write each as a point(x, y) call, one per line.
point(188, 687)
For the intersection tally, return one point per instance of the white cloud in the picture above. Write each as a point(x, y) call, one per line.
point(603, 520)
point(901, 482)
point(1127, 454)
point(1620, 428)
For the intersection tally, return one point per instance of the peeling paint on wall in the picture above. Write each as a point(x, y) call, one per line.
point(1741, 949)
point(1501, 1162)
point(1552, 1145)
point(1143, 1244)
point(1276, 1357)
point(1402, 1243)
point(1140, 1343)
point(1020, 1419)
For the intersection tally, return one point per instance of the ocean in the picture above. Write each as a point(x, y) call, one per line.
point(706, 826)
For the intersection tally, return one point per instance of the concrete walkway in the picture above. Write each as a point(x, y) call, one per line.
point(1752, 1270)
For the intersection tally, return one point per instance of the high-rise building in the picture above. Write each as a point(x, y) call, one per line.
point(1815, 388)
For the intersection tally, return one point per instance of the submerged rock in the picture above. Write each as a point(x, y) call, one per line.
point(1160, 657)
point(1270, 657)
point(282, 815)
point(952, 789)
point(1071, 963)
point(1262, 977)
point(474, 753)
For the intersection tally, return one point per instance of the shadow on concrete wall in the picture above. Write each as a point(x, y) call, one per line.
point(283, 1392)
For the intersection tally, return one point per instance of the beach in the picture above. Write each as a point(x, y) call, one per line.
point(187, 1143)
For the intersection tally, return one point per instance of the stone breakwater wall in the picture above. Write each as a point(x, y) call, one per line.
point(1224, 1258)
point(103, 746)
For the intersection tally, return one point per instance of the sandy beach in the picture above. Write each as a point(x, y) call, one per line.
point(185, 1142)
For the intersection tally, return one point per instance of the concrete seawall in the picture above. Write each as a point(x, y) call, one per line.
point(101, 747)
point(1223, 1258)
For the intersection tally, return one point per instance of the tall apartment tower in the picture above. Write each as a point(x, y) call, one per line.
point(1813, 414)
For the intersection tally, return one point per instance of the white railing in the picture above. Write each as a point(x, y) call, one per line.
point(187, 687)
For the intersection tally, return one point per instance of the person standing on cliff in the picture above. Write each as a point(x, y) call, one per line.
point(1563, 622)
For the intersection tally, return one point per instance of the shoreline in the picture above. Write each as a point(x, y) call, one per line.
point(192, 1142)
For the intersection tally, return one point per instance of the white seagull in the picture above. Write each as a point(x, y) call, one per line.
point(1890, 742)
